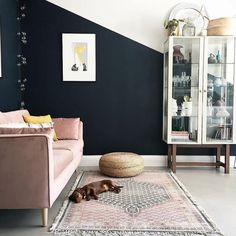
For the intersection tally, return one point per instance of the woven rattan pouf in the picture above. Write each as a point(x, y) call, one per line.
point(121, 164)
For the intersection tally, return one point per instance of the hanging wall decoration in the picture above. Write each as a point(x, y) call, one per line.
point(78, 55)
point(21, 59)
point(0, 53)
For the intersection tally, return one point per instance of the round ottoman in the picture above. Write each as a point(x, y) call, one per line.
point(121, 164)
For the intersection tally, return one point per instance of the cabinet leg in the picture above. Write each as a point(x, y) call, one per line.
point(218, 149)
point(227, 154)
point(174, 158)
point(169, 156)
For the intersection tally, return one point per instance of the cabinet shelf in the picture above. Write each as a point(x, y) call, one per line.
point(178, 116)
point(223, 64)
point(189, 87)
point(185, 64)
point(220, 107)
point(219, 141)
point(226, 125)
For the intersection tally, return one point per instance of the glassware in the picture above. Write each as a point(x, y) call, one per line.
point(218, 57)
point(189, 28)
point(218, 82)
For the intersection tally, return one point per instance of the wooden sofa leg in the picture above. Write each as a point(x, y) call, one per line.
point(44, 213)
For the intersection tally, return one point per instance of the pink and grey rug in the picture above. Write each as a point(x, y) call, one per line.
point(153, 203)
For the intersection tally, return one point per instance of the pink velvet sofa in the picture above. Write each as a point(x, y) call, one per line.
point(33, 168)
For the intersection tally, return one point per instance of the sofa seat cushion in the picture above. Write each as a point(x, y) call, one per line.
point(75, 146)
point(64, 151)
point(61, 159)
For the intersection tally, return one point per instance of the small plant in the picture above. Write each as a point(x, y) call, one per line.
point(172, 25)
point(187, 99)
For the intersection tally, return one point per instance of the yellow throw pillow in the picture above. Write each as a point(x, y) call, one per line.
point(39, 120)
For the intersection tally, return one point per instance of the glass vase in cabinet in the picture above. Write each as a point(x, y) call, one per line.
point(198, 89)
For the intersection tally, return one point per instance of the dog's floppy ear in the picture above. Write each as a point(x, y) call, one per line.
point(83, 193)
point(71, 197)
point(76, 196)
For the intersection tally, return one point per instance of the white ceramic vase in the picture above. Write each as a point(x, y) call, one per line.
point(187, 108)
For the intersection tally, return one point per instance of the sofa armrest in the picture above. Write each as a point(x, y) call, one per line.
point(26, 171)
point(81, 127)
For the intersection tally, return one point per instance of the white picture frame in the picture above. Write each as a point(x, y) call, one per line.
point(78, 57)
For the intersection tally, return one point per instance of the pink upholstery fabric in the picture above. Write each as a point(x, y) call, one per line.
point(48, 131)
point(61, 159)
point(24, 171)
point(66, 128)
point(72, 145)
point(75, 147)
point(13, 116)
point(65, 175)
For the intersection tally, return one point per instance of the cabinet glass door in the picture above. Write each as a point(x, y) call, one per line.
point(185, 104)
point(219, 90)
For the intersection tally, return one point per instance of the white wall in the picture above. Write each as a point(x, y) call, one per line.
point(140, 20)
point(156, 160)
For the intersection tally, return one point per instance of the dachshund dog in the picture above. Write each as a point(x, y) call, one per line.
point(93, 189)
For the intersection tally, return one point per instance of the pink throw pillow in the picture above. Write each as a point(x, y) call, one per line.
point(13, 116)
point(66, 128)
point(48, 131)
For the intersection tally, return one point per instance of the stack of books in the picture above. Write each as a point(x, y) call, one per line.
point(180, 135)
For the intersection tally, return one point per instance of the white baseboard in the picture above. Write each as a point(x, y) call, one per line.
point(154, 160)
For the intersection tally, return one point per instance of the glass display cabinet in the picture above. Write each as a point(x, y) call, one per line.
point(199, 90)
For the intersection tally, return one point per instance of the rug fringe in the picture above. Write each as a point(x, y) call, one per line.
point(65, 204)
point(201, 210)
point(130, 233)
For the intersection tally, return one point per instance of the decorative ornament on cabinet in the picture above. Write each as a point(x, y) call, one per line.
point(173, 26)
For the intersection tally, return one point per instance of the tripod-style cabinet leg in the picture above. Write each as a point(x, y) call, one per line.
point(169, 156)
point(227, 154)
point(174, 158)
point(218, 149)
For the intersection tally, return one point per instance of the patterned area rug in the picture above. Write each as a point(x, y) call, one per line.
point(153, 203)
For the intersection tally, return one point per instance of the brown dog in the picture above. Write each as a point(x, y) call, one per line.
point(93, 189)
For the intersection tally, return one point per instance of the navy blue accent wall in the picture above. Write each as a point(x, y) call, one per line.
point(9, 89)
point(122, 110)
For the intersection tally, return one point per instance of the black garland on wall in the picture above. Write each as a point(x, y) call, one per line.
point(10, 95)
point(21, 59)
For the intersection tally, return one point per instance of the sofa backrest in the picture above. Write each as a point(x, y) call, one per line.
point(13, 116)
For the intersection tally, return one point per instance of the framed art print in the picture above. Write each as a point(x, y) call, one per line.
point(78, 57)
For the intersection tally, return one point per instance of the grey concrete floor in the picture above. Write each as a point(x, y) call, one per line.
point(213, 190)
